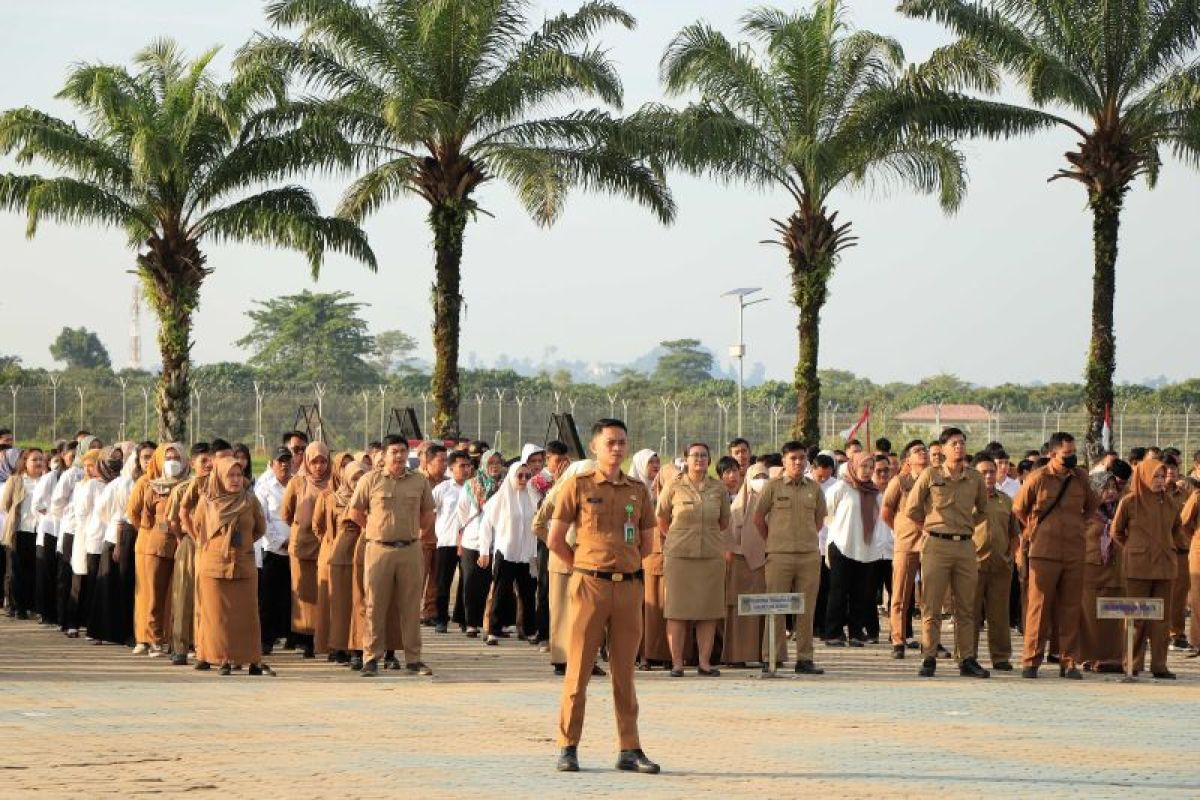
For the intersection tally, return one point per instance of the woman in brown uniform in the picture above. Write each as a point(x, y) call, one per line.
point(344, 534)
point(1102, 641)
point(325, 531)
point(230, 521)
point(154, 550)
point(1147, 527)
point(693, 515)
point(1190, 525)
point(298, 510)
point(746, 572)
point(646, 467)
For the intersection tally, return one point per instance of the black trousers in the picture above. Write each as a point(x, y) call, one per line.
point(851, 592)
point(47, 579)
point(104, 596)
point(508, 574)
point(22, 565)
point(275, 598)
point(445, 564)
point(818, 613)
point(478, 582)
point(124, 583)
point(543, 592)
point(881, 582)
point(66, 580)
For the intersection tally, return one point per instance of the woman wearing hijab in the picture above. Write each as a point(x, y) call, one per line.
point(558, 596)
point(1148, 529)
point(1102, 641)
point(324, 529)
point(1189, 520)
point(154, 550)
point(20, 527)
point(343, 534)
point(88, 538)
point(746, 572)
point(507, 545)
point(855, 526)
point(477, 580)
point(693, 516)
point(104, 621)
point(46, 543)
point(230, 521)
point(299, 508)
point(646, 467)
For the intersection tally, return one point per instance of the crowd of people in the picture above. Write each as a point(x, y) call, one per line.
point(181, 553)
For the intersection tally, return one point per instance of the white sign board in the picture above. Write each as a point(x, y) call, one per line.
point(1129, 608)
point(756, 605)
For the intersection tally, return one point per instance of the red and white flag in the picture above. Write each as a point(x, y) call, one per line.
point(862, 420)
point(1106, 428)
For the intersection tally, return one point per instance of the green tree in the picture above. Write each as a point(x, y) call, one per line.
point(168, 155)
point(683, 364)
point(80, 349)
point(441, 97)
point(310, 337)
point(393, 351)
point(1128, 68)
point(811, 111)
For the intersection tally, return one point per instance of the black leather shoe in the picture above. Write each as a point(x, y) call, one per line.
point(676, 673)
point(1165, 675)
point(898, 651)
point(356, 663)
point(636, 761)
point(225, 670)
point(969, 668)
point(202, 666)
point(417, 668)
point(309, 652)
point(441, 628)
point(370, 669)
point(1071, 674)
point(942, 652)
point(1029, 672)
point(568, 761)
point(598, 671)
point(928, 667)
point(391, 663)
point(1002, 666)
point(808, 668)
point(179, 660)
point(560, 669)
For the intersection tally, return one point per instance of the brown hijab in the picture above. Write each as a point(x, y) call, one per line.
point(345, 490)
point(315, 482)
point(222, 503)
point(868, 493)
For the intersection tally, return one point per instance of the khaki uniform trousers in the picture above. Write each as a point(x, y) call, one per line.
point(991, 607)
point(392, 578)
point(560, 617)
point(794, 572)
point(1179, 595)
point(1156, 629)
point(429, 591)
point(1194, 573)
point(597, 608)
point(1054, 602)
point(183, 598)
point(948, 566)
point(904, 583)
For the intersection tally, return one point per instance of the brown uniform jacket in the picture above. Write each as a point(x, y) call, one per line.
point(698, 517)
point(744, 538)
point(186, 495)
point(148, 510)
point(1150, 533)
point(228, 551)
point(996, 536)
point(393, 506)
point(1189, 520)
point(599, 509)
point(304, 543)
point(907, 532)
point(941, 503)
point(794, 511)
point(1060, 536)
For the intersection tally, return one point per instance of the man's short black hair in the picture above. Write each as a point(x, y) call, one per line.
point(556, 448)
point(794, 447)
point(1136, 454)
point(5, 431)
point(289, 435)
point(983, 457)
point(201, 449)
point(853, 441)
point(1024, 465)
point(997, 453)
point(769, 460)
point(220, 444)
point(434, 449)
point(824, 460)
point(1121, 470)
point(908, 447)
point(950, 433)
point(1170, 460)
point(1172, 451)
point(457, 455)
point(1058, 439)
point(607, 422)
point(883, 445)
point(375, 444)
point(394, 438)
point(727, 463)
point(738, 441)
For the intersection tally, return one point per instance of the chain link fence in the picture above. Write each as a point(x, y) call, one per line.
point(349, 417)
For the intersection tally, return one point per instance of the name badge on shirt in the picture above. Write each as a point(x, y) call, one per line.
point(630, 530)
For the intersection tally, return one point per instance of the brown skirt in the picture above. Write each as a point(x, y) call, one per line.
point(695, 588)
point(1101, 641)
point(152, 599)
point(229, 631)
point(304, 596)
point(321, 638)
point(358, 594)
point(743, 635)
point(341, 606)
point(654, 625)
point(560, 612)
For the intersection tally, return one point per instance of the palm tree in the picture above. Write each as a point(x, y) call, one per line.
point(803, 113)
point(1127, 67)
point(440, 97)
point(168, 157)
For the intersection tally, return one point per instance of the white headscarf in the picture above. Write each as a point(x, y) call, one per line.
point(639, 464)
point(528, 450)
point(508, 515)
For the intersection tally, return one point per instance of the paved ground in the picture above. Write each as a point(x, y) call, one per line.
point(96, 721)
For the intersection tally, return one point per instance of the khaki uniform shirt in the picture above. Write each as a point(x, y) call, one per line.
point(599, 509)
point(907, 532)
point(795, 511)
point(996, 535)
point(1061, 536)
point(228, 552)
point(393, 506)
point(698, 517)
point(186, 495)
point(946, 504)
point(148, 510)
point(1151, 533)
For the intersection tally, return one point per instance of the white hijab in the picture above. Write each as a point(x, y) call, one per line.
point(528, 450)
point(510, 510)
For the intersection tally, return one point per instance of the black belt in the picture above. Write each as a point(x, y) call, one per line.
point(952, 537)
point(615, 577)
point(391, 544)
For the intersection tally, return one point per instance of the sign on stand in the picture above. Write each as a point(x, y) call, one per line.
point(1129, 609)
point(768, 605)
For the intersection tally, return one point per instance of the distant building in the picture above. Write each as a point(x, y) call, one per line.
point(931, 418)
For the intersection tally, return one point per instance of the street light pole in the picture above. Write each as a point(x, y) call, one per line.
point(738, 350)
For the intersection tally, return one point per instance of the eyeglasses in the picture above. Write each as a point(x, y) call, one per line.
point(522, 476)
point(297, 450)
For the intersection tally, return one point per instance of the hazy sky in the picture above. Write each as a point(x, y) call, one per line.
point(999, 292)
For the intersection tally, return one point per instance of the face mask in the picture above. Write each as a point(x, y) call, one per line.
point(172, 469)
point(1070, 461)
point(757, 484)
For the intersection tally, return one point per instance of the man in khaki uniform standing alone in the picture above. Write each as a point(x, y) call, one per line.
point(1054, 506)
point(614, 521)
point(789, 516)
point(392, 506)
point(947, 501)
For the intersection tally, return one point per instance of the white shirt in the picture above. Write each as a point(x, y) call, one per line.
point(515, 541)
point(111, 505)
point(61, 503)
point(42, 494)
point(1010, 486)
point(823, 534)
point(26, 516)
point(846, 524)
point(469, 518)
point(445, 503)
point(269, 492)
point(89, 534)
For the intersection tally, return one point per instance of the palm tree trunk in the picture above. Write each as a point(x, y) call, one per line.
point(1101, 363)
point(448, 220)
point(808, 293)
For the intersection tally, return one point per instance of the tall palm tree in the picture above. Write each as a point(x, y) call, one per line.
point(801, 109)
point(1127, 67)
point(440, 97)
point(168, 157)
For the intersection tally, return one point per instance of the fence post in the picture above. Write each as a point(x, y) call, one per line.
point(1187, 430)
point(15, 389)
point(192, 433)
point(478, 415)
point(260, 442)
point(500, 417)
point(124, 381)
point(366, 396)
point(79, 391)
point(612, 404)
point(54, 379)
point(675, 448)
point(1157, 427)
point(520, 418)
point(145, 412)
point(382, 404)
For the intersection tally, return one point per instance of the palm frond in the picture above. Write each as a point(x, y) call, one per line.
point(69, 201)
